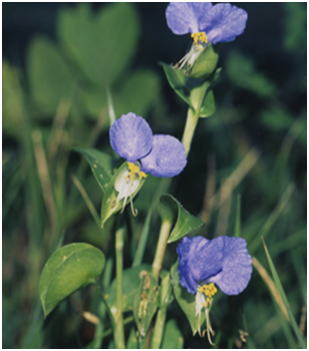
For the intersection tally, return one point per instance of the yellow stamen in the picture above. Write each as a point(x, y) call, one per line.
point(135, 171)
point(133, 167)
point(209, 290)
point(142, 174)
point(199, 38)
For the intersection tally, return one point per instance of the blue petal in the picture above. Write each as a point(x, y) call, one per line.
point(184, 249)
point(223, 22)
point(184, 17)
point(131, 137)
point(167, 157)
point(237, 267)
point(224, 261)
point(199, 259)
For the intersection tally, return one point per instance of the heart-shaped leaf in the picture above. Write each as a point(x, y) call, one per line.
point(102, 43)
point(185, 223)
point(100, 163)
point(68, 269)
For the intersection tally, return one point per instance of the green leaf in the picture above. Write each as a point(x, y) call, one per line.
point(208, 107)
point(185, 300)
point(172, 338)
point(293, 323)
point(132, 340)
point(186, 223)
point(131, 286)
point(205, 64)
point(102, 44)
point(13, 105)
point(137, 93)
point(277, 118)
point(68, 269)
point(242, 73)
point(94, 101)
point(145, 302)
point(178, 82)
point(51, 80)
point(100, 164)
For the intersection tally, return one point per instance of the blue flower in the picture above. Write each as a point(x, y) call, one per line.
point(160, 155)
point(203, 264)
point(223, 261)
point(206, 23)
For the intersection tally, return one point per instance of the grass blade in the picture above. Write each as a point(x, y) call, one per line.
point(294, 326)
point(237, 229)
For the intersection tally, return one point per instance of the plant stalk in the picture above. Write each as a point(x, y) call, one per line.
point(165, 299)
point(158, 329)
point(161, 247)
point(197, 96)
point(118, 315)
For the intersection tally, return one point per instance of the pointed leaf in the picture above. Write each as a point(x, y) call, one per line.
point(185, 223)
point(178, 82)
point(100, 164)
point(68, 269)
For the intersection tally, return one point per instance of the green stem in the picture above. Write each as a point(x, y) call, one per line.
point(139, 254)
point(197, 96)
point(158, 329)
point(118, 316)
point(189, 130)
point(165, 299)
point(161, 247)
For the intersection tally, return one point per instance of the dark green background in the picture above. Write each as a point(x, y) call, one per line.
point(261, 104)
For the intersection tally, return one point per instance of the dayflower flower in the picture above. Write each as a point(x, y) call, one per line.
point(207, 23)
point(159, 155)
point(204, 265)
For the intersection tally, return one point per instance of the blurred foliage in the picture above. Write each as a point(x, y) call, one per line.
point(64, 66)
